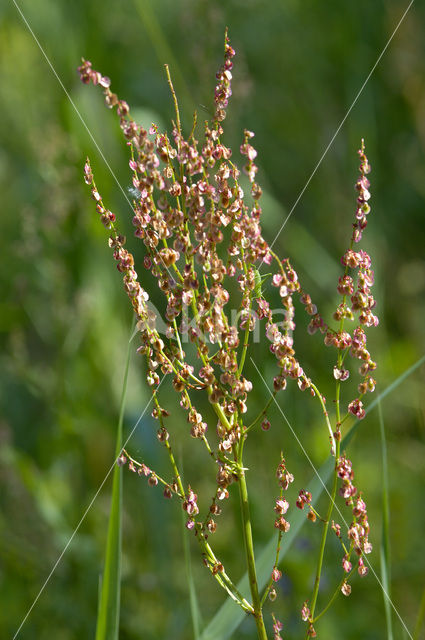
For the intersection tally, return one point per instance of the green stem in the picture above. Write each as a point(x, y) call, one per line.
point(325, 534)
point(219, 412)
point(173, 93)
point(250, 558)
point(325, 413)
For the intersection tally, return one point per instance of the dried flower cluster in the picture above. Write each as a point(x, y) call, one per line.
point(202, 241)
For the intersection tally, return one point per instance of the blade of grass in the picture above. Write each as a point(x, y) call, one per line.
point(385, 541)
point(229, 616)
point(108, 614)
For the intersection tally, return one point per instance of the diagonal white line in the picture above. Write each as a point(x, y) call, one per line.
point(71, 101)
point(131, 206)
point(126, 197)
point(74, 106)
point(145, 409)
point(341, 124)
point(81, 520)
point(329, 495)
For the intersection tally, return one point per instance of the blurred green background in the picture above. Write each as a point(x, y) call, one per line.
point(65, 321)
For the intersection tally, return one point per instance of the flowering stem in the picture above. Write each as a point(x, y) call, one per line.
point(249, 552)
point(325, 534)
point(184, 198)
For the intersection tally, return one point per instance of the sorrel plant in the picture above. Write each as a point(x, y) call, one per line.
point(202, 241)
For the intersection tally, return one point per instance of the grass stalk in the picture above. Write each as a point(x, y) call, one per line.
point(107, 625)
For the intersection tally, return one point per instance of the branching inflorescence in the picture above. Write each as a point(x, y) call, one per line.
point(202, 240)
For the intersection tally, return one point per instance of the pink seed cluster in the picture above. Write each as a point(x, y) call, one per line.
point(285, 478)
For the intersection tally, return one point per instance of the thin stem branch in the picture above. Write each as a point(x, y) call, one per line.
point(173, 93)
point(334, 595)
point(261, 414)
point(325, 413)
point(221, 576)
point(276, 562)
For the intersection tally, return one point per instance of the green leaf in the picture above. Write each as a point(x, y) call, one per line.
point(108, 614)
point(229, 616)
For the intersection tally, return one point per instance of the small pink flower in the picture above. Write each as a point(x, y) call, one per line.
point(304, 497)
point(341, 374)
point(278, 626)
point(121, 461)
point(356, 408)
point(305, 612)
point(282, 524)
point(346, 564)
point(367, 547)
point(360, 507)
point(276, 574)
point(282, 506)
point(362, 569)
point(265, 425)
